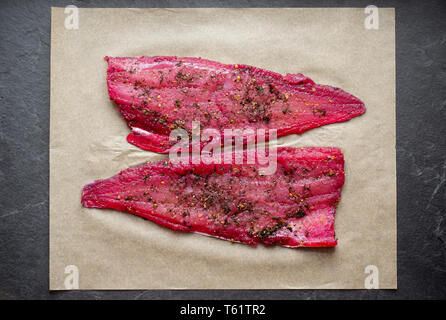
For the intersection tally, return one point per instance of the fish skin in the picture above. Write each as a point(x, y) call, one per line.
point(158, 94)
point(294, 207)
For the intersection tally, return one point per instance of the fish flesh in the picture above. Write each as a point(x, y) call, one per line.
point(156, 95)
point(294, 207)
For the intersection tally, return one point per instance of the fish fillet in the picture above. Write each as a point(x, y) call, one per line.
point(294, 207)
point(156, 95)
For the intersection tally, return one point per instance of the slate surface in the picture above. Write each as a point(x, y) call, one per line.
point(421, 152)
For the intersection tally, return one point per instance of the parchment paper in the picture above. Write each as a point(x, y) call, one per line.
point(114, 250)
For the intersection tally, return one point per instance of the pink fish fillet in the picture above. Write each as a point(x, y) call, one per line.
point(294, 207)
point(158, 94)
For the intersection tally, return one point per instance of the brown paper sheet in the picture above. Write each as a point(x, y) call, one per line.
point(114, 250)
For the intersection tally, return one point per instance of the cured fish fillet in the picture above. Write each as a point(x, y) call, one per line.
point(158, 94)
point(294, 207)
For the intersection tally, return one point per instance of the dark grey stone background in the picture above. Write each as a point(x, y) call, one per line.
point(421, 152)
